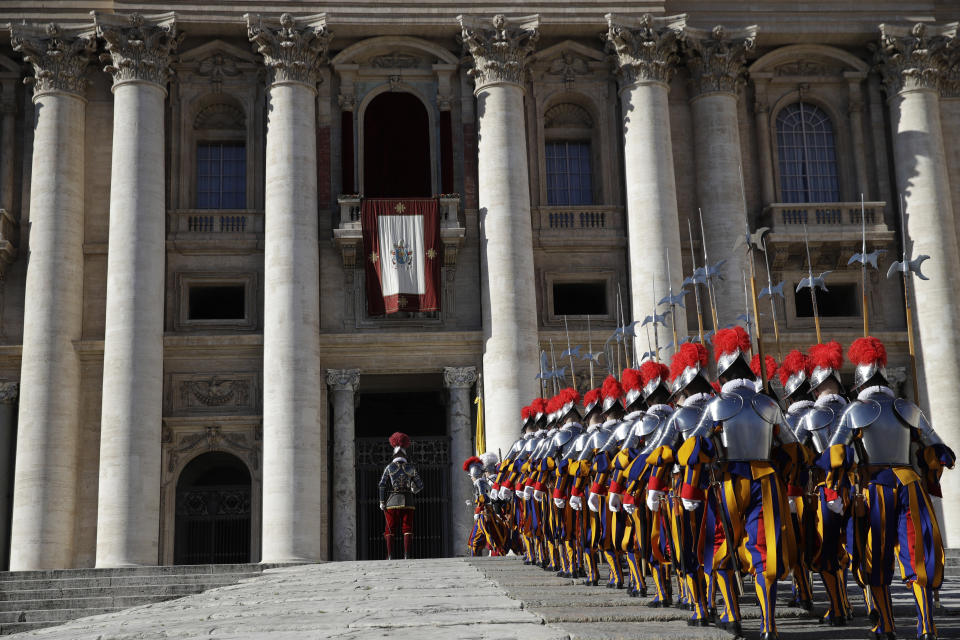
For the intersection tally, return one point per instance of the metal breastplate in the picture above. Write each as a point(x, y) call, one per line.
point(747, 418)
point(886, 439)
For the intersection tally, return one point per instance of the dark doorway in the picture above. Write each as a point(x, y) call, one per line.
point(422, 415)
point(396, 147)
point(213, 511)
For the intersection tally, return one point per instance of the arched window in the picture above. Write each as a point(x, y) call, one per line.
point(568, 129)
point(807, 154)
point(221, 160)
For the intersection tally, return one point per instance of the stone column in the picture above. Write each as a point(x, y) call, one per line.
point(9, 391)
point(646, 54)
point(294, 455)
point(716, 61)
point(128, 507)
point(500, 49)
point(8, 107)
point(761, 113)
point(44, 502)
point(855, 111)
point(912, 62)
point(343, 385)
point(459, 381)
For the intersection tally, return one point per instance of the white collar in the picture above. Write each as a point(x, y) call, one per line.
point(798, 406)
point(593, 427)
point(527, 435)
point(609, 423)
point(660, 407)
point(539, 433)
point(869, 391)
point(697, 398)
point(571, 425)
point(633, 415)
point(399, 459)
point(739, 383)
point(828, 398)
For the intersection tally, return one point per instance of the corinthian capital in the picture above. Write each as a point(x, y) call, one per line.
point(459, 377)
point(645, 48)
point(343, 379)
point(717, 58)
point(915, 57)
point(139, 47)
point(292, 48)
point(59, 56)
point(500, 47)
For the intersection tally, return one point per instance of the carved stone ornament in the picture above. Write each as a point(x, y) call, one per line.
point(459, 377)
point(807, 68)
point(9, 392)
point(645, 50)
point(216, 392)
point(916, 57)
point(396, 61)
point(717, 58)
point(217, 67)
point(293, 49)
point(500, 48)
point(214, 438)
point(59, 56)
point(568, 66)
point(343, 379)
point(139, 47)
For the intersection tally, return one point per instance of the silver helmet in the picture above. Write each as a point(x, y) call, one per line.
point(826, 358)
point(870, 357)
point(692, 356)
point(734, 354)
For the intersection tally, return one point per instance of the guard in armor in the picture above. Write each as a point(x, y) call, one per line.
point(485, 533)
point(899, 460)
point(743, 436)
point(398, 484)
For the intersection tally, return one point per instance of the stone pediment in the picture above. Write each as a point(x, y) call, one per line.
point(808, 61)
point(214, 48)
point(395, 52)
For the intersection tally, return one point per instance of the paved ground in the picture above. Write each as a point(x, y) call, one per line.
point(476, 599)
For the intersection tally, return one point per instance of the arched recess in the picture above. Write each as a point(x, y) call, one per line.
point(397, 143)
point(571, 137)
point(213, 523)
point(220, 154)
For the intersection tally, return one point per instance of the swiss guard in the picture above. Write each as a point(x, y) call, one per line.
point(487, 531)
point(399, 483)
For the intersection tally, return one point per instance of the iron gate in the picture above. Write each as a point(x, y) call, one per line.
point(213, 525)
point(431, 523)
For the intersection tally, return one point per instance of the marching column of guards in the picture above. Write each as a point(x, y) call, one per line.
point(679, 489)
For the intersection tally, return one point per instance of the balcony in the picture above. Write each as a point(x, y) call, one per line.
point(199, 231)
point(565, 226)
point(348, 236)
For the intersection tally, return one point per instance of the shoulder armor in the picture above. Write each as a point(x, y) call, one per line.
point(911, 413)
point(409, 468)
point(862, 413)
point(392, 468)
point(725, 406)
point(686, 419)
point(767, 408)
point(649, 423)
point(818, 418)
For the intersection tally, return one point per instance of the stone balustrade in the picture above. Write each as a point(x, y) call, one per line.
point(592, 218)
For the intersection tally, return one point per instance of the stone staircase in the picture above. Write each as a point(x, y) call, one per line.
point(36, 599)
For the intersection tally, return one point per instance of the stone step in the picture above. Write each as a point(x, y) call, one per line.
point(179, 569)
point(53, 616)
point(90, 602)
point(22, 627)
point(130, 590)
point(122, 581)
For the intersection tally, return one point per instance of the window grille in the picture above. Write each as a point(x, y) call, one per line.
point(221, 175)
point(807, 154)
point(569, 176)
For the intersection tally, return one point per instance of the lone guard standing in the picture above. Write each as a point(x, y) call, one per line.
point(399, 482)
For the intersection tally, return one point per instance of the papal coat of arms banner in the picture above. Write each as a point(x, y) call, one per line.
point(401, 244)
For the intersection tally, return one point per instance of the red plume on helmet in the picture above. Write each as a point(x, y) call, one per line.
point(401, 440)
point(650, 370)
point(526, 413)
point(611, 388)
point(867, 350)
point(592, 396)
point(568, 395)
point(539, 405)
point(793, 363)
point(771, 366)
point(630, 379)
point(472, 460)
point(828, 355)
point(729, 340)
point(690, 354)
point(554, 404)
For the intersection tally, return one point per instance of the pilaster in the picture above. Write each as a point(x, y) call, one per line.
point(459, 381)
point(343, 384)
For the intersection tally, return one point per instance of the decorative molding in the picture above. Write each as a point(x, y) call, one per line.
point(807, 68)
point(213, 438)
point(343, 379)
point(216, 67)
point(293, 49)
point(914, 57)
point(347, 101)
point(645, 49)
point(139, 48)
point(396, 61)
point(229, 393)
point(567, 114)
point(500, 54)
point(220, 116)
point(9, 392)
point(459, 377)
point(59, 56)
point(568, 66)
point(717, 58)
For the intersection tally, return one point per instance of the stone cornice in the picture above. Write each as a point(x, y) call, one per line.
point(459, 377)
point(139, 48)
point(59, 56)
point(500, 48)
point(645, 50)
point(916, 57)
point(293, 49)
point(343, 379)
point(717, 58)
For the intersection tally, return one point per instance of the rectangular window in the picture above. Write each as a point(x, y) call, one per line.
point(217, 302)
point(842, 301)
point(221, 175)
point(579, 298)
point(569, 177)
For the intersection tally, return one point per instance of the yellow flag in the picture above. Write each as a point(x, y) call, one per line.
point(481, 436)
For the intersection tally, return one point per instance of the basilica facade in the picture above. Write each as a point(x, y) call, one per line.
point(191, 371)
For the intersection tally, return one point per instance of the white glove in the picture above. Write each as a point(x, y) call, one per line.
point(576, 503)
point(629, 508)
point(691, 505)
point(382, 506)
point(653, 499)
point(793, 504)
point(559, 503)
point(614, 502)
point(494, 494)
point(528, 491)
point(476, 516)
point(504, 493)
point(468, 502)
point(519, 493)
point(835, 505)
point(594, 503)
point(538, 495)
